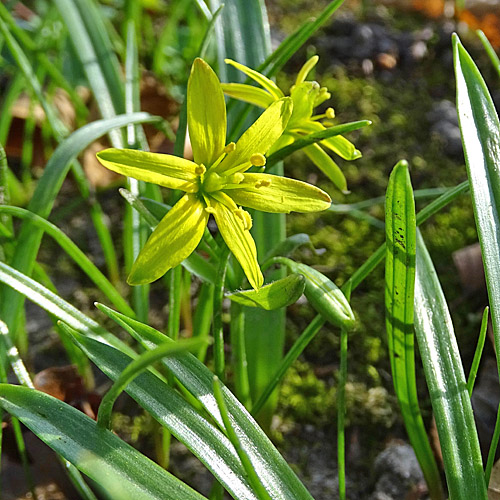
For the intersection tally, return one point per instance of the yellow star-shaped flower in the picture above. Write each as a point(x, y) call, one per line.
point(306, 95)
point(216, 182)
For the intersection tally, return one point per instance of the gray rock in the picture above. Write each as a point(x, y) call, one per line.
point(398, 473)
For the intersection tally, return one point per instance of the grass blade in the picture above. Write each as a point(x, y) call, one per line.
point(399, 292)
point(479, 351)
point(204, 440)
point(480, 131)
point(276, 475)
point(45, 193)
point(97, 452)
point(446, 382)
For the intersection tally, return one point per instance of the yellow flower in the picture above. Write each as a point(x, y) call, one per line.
point(306, 95)
point(215, 183)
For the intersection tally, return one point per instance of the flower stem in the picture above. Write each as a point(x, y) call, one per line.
point(218, 330)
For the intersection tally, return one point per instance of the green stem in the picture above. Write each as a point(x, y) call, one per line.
point(300, 344)
point(218, 329)
point(174, 302)
point(341, 408)
point(238, 350)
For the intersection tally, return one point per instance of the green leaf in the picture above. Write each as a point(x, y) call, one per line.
point(324, 295)
point(281, 293)
point(399, 291)
point(447, 385)
point(97, 452)
point(56, 306)
point(45, 193)
point(275, 474)
point(165, 404)
point(480, 130)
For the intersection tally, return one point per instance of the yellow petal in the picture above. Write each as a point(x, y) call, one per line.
point(323, 161)
point(264, 132)
point(272, 193)
point(262, 80)
point(248, 93)
point(174, 239)
point(206, 113)
point(240, 242)
point(166, 170)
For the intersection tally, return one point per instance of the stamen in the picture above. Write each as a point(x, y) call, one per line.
point(245, 217)
point(236, 178)
point(258, 160)
point(200, 169)
point(330, 113)
point(262, 183)
point(230, 148)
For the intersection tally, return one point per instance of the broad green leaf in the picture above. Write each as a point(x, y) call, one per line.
point(326, 298)
point(165, 404)
point(399, 291)
point(97, 452)
point(480, 130)
point(281, 293)
point(276, 475)
point(447, 385)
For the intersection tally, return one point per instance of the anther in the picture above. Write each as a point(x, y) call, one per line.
point(245, 217)
point(200, 169)
point(262, 183)
point(230, 148)
point(258, 160)
point(330, 113)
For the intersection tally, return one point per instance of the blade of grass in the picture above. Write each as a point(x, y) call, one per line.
point(309, 139)
point(167, 406)
point(446, 382)
point(480, 131)
point(97, 452)
point(136, 367)
point(378, 256)
point(276, 475)
point(87, 266)
point(479, 351)
point(495, 61)
point(43, 199)
point(399, 293)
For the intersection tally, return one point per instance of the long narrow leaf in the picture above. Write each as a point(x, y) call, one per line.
point(447, 385)
point(45, 193)
point(171, 410)
point(277, 477)
point(399, 290)
point(480, 131)
point(97, 452)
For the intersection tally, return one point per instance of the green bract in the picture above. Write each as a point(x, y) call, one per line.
point(215, 182)
point(305, 95)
